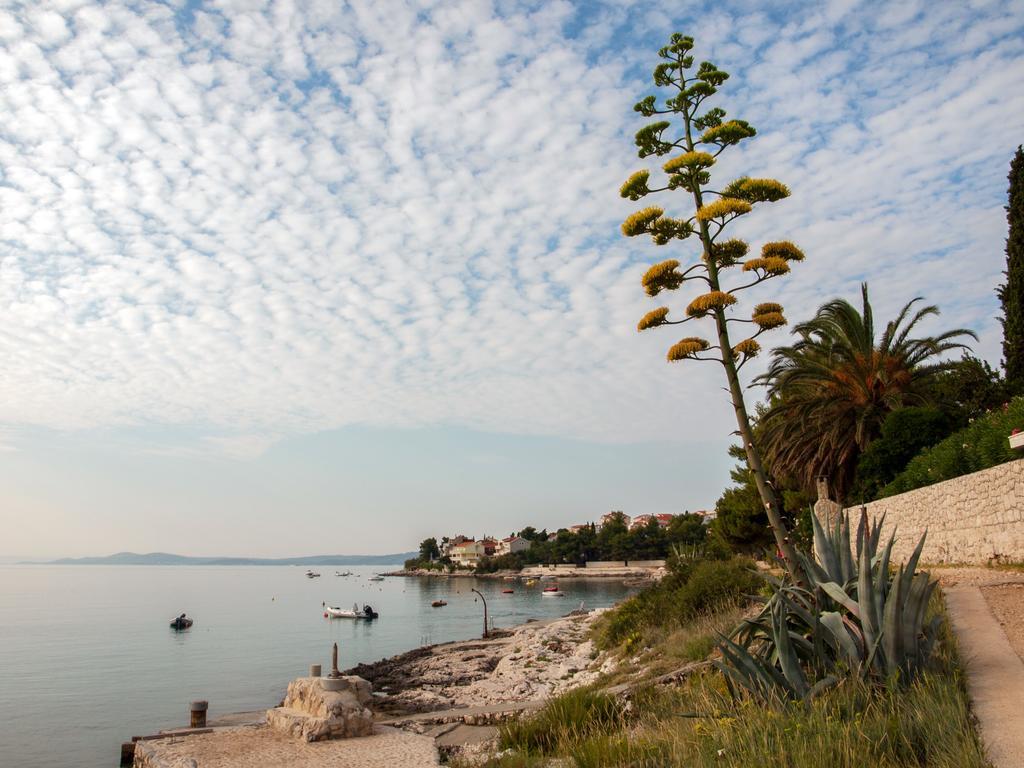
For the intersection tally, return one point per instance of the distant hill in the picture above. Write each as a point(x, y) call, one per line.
point(164, 558)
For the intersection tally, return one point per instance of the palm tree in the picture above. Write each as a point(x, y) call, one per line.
point(830, 392)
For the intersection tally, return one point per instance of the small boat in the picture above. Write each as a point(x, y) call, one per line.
point(366, 612)
point(530, 582)
point(552, 592)
point(346, 573)
point(508, 591)
point(312, 575)
point(378, 577)
point(438, 604)
point(181, 622)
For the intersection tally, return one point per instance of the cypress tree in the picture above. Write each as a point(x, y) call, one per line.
point(1011, 294)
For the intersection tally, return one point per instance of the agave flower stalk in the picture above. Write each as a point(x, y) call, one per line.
point(699, 138)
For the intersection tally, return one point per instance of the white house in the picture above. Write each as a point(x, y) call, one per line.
point(512, 544)
point(467, 553)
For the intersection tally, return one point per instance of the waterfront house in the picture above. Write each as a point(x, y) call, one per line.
point(467, 553)
point(512, 544)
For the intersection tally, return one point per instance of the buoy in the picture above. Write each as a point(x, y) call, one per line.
point(325, 614)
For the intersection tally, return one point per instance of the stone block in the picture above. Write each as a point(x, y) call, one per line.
point(311, 713)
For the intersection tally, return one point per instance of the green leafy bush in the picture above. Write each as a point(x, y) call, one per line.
point(692, 589)
point(980, 445)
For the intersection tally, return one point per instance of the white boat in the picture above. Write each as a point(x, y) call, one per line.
point(378, 577)
point(312, 575)
point(552, 592)
point(355, 612)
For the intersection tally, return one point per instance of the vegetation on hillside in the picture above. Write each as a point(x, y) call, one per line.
point(980, 445)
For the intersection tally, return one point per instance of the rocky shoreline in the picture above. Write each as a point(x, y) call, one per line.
point(525, 663)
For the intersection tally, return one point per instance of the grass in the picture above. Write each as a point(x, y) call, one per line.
point(698, 724)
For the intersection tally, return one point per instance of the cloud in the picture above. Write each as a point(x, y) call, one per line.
point(280, 219)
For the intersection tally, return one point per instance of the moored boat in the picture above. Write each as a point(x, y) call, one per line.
point(552, 592)
point(181, 622)
point(376, 577)
point(438, 604)
point(367, 612)
point(508, 591)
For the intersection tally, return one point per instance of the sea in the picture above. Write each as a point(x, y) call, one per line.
point(88, 660)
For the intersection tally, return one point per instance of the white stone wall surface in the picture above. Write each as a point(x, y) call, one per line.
point(976, 518)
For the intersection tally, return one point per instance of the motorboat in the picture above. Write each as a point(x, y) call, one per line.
point(508, 591)
point(438, 604)
point(552, 592)
point(346, 573)
point(181, 622)
point(377, 577)
point(366, 612)
point(312, 574)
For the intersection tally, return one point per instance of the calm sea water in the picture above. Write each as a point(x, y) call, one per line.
point(87, 659)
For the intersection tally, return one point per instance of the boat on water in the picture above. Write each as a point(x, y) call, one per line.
point(508, 591)
point(376, 577)
point(346, 573)
point(530, 582)
point(438, 604)
point(552, 592)
point(181, 622)
point(366, 612)
point(312, 574)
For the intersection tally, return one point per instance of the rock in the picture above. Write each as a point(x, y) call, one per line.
point(311, 713)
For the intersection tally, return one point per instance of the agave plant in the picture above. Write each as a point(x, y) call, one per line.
point(853, 616)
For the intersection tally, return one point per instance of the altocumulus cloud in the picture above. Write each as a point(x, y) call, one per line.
point(273, 218)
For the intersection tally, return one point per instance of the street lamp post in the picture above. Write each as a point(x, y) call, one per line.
point(486, 632)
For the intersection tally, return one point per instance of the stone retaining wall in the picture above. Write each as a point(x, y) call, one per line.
point(975, 518)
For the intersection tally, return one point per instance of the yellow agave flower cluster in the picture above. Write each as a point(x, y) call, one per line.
point(706, 302)
point(662, 277)
point(747, 348)
point(687, 347)
point(722, 207)
point(768, 315)
point(652, 319)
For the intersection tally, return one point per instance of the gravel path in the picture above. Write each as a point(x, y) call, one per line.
point(262, 747)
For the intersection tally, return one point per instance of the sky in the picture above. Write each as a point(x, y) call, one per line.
point(299, 277)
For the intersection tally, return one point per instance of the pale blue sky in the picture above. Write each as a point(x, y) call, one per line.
point(295, 277)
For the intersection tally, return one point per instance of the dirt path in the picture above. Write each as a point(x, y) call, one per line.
point(995, 671)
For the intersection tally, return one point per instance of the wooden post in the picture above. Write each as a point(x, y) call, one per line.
point(127, 754)
point(197, 711)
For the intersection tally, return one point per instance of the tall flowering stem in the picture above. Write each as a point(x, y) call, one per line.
point(699, 136)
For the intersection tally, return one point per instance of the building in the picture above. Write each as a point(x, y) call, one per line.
point(641, 520)
point(490, 546)
point(578, 528)
point(609, 516)
point(466, 553)
point(512, 544)
point(447, 544)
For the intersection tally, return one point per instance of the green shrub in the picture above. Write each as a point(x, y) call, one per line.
point(690, 590)
point(980, 445)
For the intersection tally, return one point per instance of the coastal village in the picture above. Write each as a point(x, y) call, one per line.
point(467, 552)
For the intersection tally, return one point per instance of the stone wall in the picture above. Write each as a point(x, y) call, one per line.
point(975, 518)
